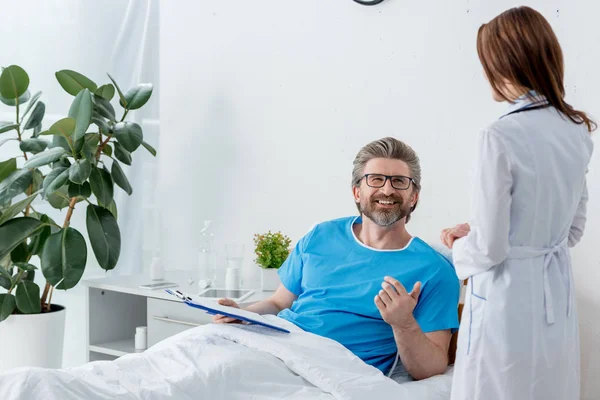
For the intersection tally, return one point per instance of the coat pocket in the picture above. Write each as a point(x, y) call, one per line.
point(476, 309)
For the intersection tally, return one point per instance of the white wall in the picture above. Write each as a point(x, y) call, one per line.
point(267, 102)
point(91, 37)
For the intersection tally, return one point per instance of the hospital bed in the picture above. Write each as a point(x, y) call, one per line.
point(227, 362)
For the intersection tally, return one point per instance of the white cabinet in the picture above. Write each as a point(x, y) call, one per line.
point(117, 305)
point(167, 318)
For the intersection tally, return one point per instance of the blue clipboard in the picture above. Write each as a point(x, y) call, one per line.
point(188, 300)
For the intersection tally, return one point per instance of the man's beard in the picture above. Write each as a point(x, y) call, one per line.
point(385, 216)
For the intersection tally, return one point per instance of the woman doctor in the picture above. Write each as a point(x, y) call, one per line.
point(519, 338)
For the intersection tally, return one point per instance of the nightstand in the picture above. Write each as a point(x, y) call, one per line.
point(117, 305)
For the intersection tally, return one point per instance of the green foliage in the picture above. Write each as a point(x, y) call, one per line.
point(271, 249)
point(76, 165)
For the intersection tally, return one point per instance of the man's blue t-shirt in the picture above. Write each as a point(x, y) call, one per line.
point(336, 278)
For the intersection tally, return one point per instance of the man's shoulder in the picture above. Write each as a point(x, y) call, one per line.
point(336, 223)
point(435, 257)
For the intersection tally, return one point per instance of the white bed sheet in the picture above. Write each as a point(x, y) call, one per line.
point(225, 362)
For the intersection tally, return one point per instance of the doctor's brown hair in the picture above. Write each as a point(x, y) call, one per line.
point(520, 46)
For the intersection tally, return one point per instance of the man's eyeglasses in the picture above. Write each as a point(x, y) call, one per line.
point(399, 182)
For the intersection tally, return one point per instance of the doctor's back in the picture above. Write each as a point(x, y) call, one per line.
point(548, 156)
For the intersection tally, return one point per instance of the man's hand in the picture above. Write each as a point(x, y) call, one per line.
point(449, 235)
point(395, 304)
point(222, 319)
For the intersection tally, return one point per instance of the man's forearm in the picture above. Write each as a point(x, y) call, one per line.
point(420, 356)
point(267, 306)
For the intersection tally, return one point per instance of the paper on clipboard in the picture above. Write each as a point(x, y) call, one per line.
point(213, 307)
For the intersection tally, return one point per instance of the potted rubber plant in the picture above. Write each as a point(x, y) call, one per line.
point(271, 250)
point(72, 165)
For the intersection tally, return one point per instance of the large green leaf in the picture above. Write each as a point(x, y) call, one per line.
point(55, 180)
point(33, 145)
point(28, 298)
point(89, 146)
point(149, 148)
point(14, 81)
point(59, 199)
point(101, 123)
point(7, 305)
point(37, 243)
point(121, 96)
point(37, 181)
point(36, 116)
point(20, 253)
point(73, 82)
point(5, 278)
point(81, 112)
point(64, 127)
point(7, 126)
point(7, 167)
point(16, 231)
point(129, 135)
point(113, 209)
point(119, 177)
point(31, 104)
point(16, 208)
point(80, 171)
point(107, 150)
point(25, 266)
point(64, 258)
point(105, 236)
point(104, 108)
point(60, 141)
point(15, 184)
point(36, 131)
point(122, 155)
point(106, 91)
point(83, 191)
point(136, 97)
point(45, 158)
point(102, 186)
point(24, 98)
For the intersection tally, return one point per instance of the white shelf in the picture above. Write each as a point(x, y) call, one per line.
point(117, 348)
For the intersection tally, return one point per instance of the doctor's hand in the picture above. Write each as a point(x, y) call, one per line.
point(449, 235)
point(222, 319)
point(395, 304)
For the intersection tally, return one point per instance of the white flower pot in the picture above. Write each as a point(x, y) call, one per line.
point(269, 279)
point(32, 340)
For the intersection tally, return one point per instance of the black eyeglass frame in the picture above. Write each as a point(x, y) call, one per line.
point(411, 180)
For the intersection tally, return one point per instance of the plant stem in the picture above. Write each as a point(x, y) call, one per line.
point(124, 114)
point(70, 212)
point(50, 299)
point(101, 147)
point(45, 295)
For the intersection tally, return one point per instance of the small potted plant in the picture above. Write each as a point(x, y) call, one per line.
point(271, 250)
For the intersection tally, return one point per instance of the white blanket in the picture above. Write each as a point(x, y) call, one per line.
point(224, 362)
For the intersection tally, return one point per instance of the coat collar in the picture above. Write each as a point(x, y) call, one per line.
point(529, 99)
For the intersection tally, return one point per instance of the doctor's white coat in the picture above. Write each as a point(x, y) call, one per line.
point(519, 337)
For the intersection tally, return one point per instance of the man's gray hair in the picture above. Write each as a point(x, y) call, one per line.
point(392, 148)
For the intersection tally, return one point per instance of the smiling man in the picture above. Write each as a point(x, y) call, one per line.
point(365, 282)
